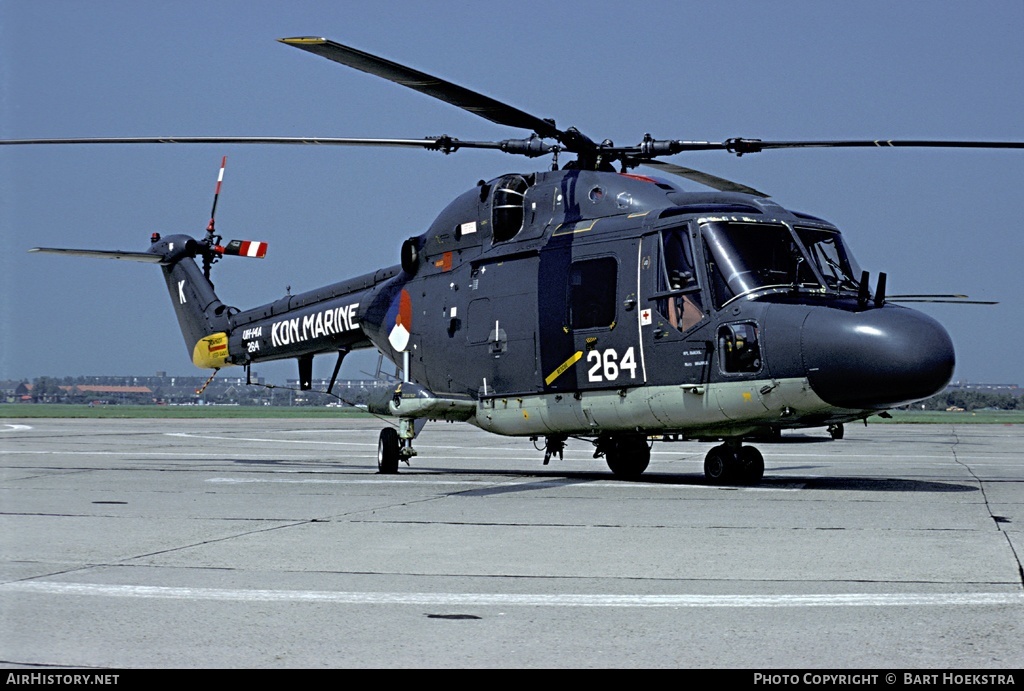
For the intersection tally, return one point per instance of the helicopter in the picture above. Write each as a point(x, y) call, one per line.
point(588, 301)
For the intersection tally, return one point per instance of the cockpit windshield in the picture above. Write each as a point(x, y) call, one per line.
point(831, 258)
point(744, 258)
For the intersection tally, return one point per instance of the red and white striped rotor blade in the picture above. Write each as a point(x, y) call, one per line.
point(216, 193)
point(244, 248)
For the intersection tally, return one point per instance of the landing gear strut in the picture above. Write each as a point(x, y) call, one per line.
point(627, 455)
point(554, 444)
point(732, 463)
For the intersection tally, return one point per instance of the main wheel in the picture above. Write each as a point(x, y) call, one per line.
point(751, 465)
point(720, 465)
point(628, 456)
point(387, 451)
point(837, 430)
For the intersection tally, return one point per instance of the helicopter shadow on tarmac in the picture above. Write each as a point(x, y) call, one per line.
point(550, 476)
point(548, 479)
point(796, 439)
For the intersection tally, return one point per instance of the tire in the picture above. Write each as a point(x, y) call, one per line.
point(628, 457)
point(720, 466)
point(387, 451)
point(751, 465)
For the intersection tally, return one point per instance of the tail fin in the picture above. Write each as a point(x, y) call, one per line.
point(202, 317)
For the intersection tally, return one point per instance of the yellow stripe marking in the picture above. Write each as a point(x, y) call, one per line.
point(315, 40)
point(564, 366)
point(576, 228)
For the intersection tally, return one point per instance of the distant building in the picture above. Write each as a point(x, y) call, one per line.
point(13, 391)
point(1012, 389)
point(161, 389)
point(109, 394)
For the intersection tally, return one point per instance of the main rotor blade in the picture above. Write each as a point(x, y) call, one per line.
point(712, 181)
point(425, 143)
point(955, 302)
point(957, 296)
point(954, 298)
point(531, 147)
point(740, 145)
point(484, 106)
point(146, 257)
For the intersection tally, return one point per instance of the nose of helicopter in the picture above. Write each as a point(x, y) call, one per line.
point(876, 358)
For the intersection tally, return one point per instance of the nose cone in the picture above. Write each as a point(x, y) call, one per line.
point(877, 358)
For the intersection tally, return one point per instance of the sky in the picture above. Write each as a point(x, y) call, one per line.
point(936, 221)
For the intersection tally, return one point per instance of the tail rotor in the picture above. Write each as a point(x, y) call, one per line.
point(212, 249)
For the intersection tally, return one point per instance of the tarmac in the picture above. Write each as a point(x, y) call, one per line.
point(275, 543)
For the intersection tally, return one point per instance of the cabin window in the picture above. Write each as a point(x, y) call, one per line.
point(508, 207)
point(738, 348)
point(681, 303)
point(592, 291)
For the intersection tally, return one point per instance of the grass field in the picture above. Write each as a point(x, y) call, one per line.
point(22, 411)
point(986, 417)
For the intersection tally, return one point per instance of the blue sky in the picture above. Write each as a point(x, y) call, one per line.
point(935, 221)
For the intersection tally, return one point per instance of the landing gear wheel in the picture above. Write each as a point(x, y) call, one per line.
point(627, 456)
point(837, 430)
point(387, 451)
point(720, 465)
point(751, 465)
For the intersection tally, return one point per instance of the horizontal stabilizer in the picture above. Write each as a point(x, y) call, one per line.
point(147, 257)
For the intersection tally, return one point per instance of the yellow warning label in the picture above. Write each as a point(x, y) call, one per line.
point(211, 352)
point(564, 366)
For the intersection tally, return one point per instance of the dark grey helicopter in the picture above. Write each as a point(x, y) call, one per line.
point(586, 301)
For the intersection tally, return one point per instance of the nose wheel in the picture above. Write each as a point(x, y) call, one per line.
point(388, 447)
point(394, 446)
point(733, 464)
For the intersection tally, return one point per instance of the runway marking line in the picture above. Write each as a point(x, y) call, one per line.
point(515, 599)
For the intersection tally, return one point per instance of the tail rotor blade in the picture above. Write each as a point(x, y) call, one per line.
point(216, 195)
point(244, 248)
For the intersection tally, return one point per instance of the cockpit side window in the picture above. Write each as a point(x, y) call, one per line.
point(681, 303)
point(738, 348)
point(508, 207)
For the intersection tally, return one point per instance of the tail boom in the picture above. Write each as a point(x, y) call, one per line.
point(324, 320)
